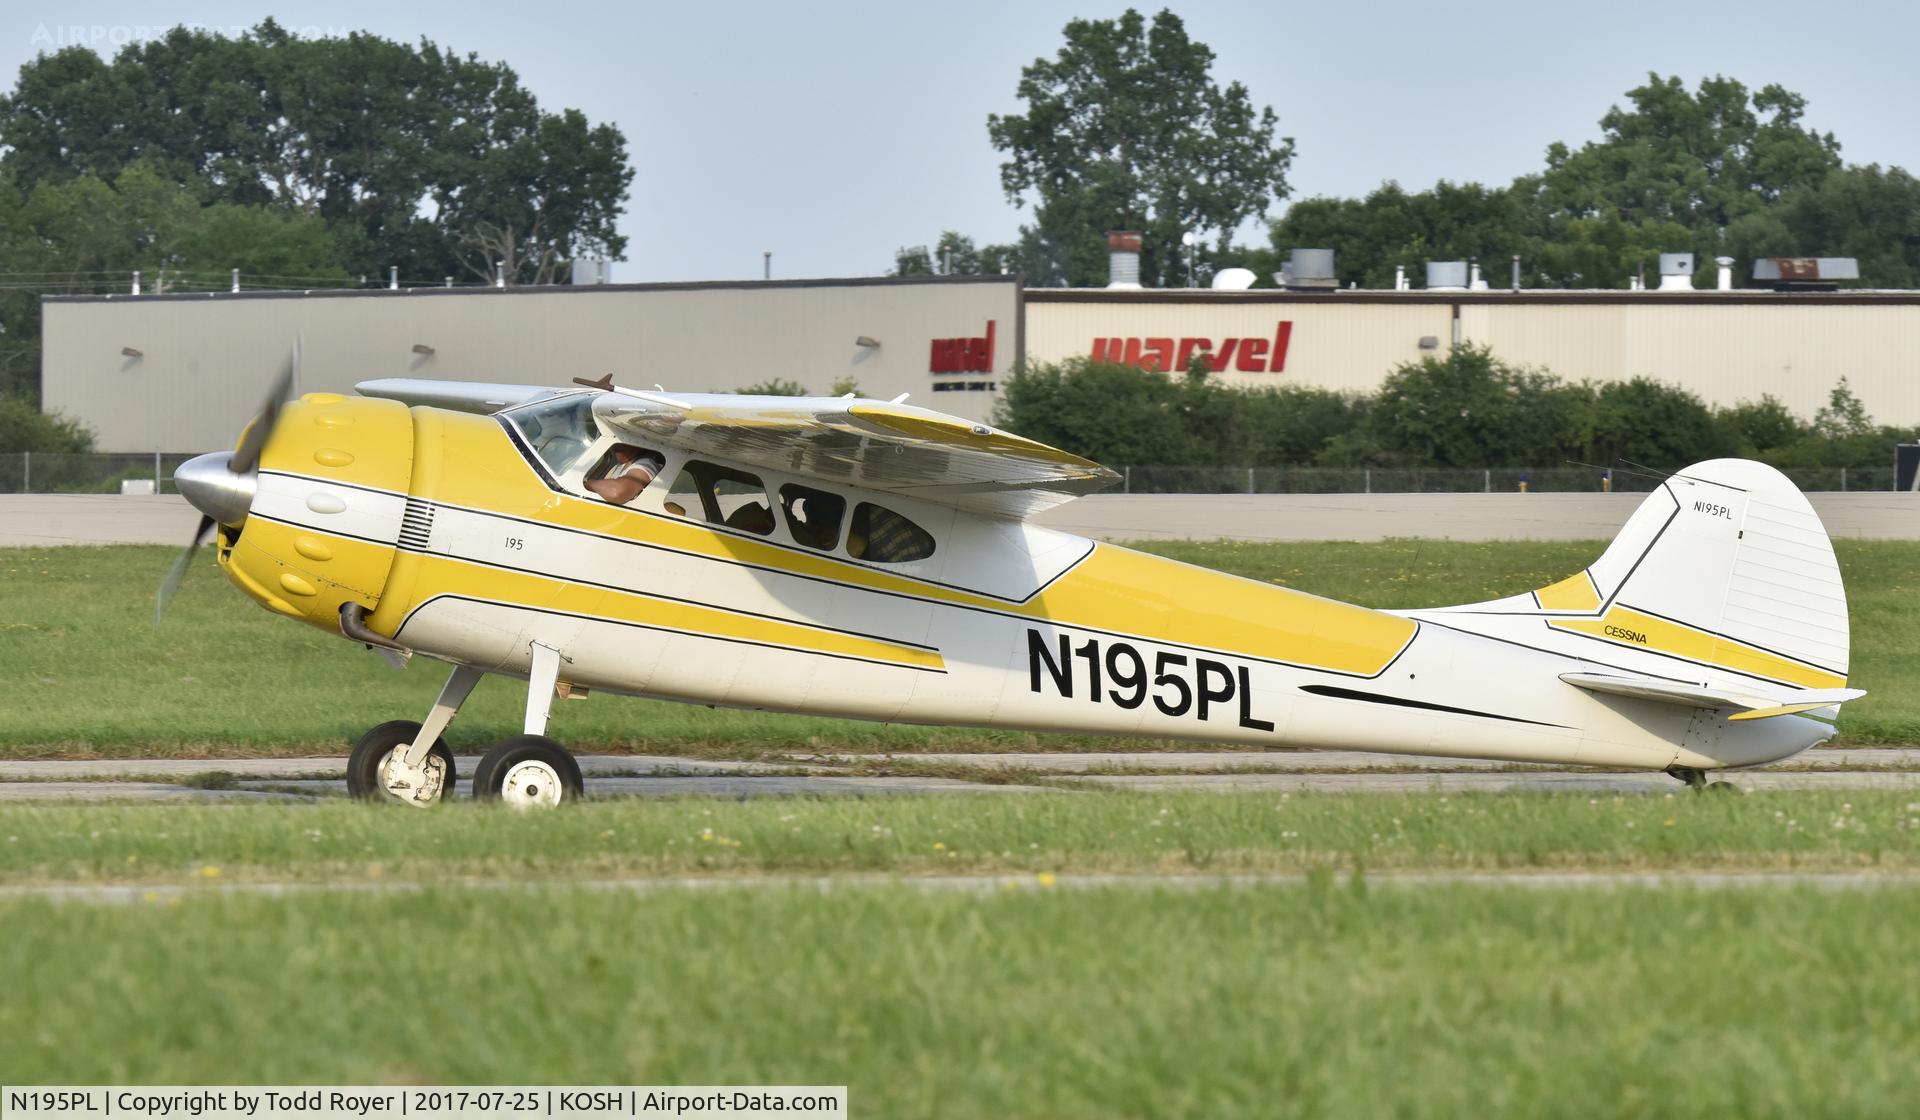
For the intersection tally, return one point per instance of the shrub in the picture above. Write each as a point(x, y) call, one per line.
point(25, 428)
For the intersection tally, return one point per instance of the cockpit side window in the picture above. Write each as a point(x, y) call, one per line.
point(879, 535)
point(623, 472)
point(724, 496)
point(558, 430)
point(813, 516)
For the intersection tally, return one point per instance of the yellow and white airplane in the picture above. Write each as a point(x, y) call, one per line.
point(871, 559)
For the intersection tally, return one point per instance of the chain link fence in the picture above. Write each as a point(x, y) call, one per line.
point(1394, 480)
point(34, 472)
point(45, 472)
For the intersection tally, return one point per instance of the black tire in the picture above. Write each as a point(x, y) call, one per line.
point(363, 765)
point(1722, 787)
point(497, 769)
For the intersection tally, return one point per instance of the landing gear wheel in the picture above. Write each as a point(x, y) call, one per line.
point(367, 764)
point(528, 772)
point(1722, 787)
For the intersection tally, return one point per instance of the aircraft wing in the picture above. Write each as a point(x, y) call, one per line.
point(874, 445)
point(460, 396)
point(1698, 696)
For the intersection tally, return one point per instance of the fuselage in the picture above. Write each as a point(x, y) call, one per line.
point(462, 542)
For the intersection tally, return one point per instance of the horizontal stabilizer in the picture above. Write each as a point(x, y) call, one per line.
point(1750, 706)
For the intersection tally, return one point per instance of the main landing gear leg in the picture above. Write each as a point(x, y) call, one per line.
point(531, 770)
point(1696, 779)
point(409, 762)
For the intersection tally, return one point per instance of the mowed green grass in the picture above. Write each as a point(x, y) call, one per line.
point(1324, 999)
point(1020, 834)
point(82, 671)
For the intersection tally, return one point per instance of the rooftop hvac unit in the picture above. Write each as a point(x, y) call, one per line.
point(1311, 269)
point(1447, 276)
point(592, 272)
point(1806, 274)
point(1676, 272)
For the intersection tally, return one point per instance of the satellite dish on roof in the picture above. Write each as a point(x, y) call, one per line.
point(1233, 280)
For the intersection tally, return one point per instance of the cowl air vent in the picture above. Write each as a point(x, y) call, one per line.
point(416, 525)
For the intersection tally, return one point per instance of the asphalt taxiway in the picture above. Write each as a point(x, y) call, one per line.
point(302, 779)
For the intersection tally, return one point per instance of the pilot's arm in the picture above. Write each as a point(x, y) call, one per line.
point(625, 485)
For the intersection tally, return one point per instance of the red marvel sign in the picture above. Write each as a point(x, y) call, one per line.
point(1243, 355)
point(963, 355)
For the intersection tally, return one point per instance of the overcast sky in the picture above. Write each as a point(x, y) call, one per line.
point(833, 132)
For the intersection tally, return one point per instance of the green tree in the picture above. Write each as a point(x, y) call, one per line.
point(1761, 426)
point(1126, 129)
point(87, 235)
point(1391, 228)
point(955, 254)
point(412, 155)
point(1653, 424)
point(1607, 251)
point(773, 387)
point(25, 428)
point(1861, 212)
point(1701, 160)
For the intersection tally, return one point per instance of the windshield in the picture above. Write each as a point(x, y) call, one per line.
point(559, 430)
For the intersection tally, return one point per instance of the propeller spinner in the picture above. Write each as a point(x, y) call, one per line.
point(221, 484)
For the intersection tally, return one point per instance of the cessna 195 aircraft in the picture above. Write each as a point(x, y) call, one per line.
point(871, 559)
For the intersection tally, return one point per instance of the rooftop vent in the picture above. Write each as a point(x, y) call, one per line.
point(1310, 269)
point(1233, 280)
point(1806, 274)
point(1676, 272)
point(1447, 276)
point(1123, 259)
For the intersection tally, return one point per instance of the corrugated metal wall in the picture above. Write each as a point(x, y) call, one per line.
point(205, 361)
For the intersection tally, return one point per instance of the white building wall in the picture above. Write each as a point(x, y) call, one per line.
point(1726, 348)
point(205, 361)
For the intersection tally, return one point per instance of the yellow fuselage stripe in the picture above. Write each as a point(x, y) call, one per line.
point(468, 461)
point(1637, 630)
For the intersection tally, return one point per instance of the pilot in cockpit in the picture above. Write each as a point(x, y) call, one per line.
point(632, 468)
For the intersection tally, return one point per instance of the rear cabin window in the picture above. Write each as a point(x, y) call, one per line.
point(723, 496)
point(813, 516)
point(879, 535)
point(559, 430)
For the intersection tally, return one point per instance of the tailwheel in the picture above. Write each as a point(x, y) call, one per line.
point(373, 776)
point(528, 772)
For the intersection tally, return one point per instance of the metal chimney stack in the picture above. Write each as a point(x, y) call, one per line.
point(1123, 259)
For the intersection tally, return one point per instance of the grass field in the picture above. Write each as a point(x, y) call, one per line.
point(987, 834)
point(1325, 999)
point(83, 672)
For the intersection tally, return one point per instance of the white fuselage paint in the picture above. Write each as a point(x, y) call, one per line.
point(1453, 693)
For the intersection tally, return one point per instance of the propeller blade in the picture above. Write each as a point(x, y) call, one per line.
point(247, 455)
point(179, 570)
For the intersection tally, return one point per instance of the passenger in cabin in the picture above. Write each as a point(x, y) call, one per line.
point(633, 467)
point(754, 517)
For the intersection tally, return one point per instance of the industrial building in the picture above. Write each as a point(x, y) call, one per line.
point(180, 373)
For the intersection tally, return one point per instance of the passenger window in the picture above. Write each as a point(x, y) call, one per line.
point(813, 516)
point(884, 537)
point(724, 496)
